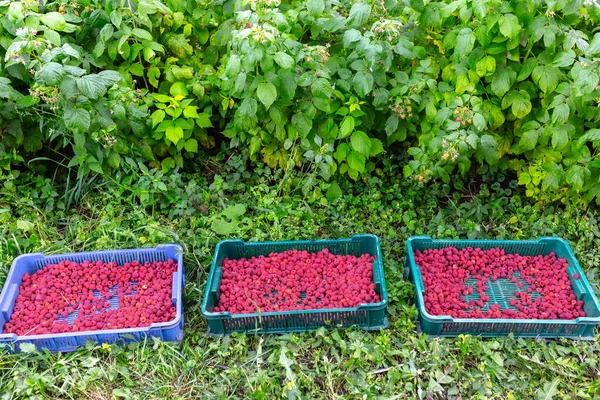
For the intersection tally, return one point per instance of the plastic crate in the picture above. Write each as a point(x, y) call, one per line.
point(30, 263)
point(365, 316)
point(501, 291)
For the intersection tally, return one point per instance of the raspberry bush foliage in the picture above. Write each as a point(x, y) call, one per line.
point(335, 87)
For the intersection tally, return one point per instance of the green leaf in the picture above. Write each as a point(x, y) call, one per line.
point(361, 142)
point(248, 107)
point(502, 80)
point(351, 36)
point(391, 125)
point(322, 104)
point(479, 122)
point(191, 145)
point(179, 45)
point(359, 13)
point(576, 176)
point(486, 66)
point(116, 18)
point(25, 225)
point(54, 20)
point(526, 69)
point(585, 80)
point(284, 60)
point(341, 152)
point(141, 34)
point(77, 119)
point(203, 120)
point(376, 147)
point(346, 127)
point(551, 181)
point(594, 46)
point(356, 161)
point(509, 25)
point(15, 11)
point(181, 73)
point(473, 140)
point(528, 140)
point(302, 123)
point(153, 75)
point(462, 84)
point(91, 86)
point(114, 159)
point(464, 42)
point(190, 112)
point(98, 50)
point(481, 8)
point(267, 93)
point(560, 137)
point(174, 133)
point(222, 227)
point(363, 83)
point(110, 77)
point(179, 89)
point(489, 148)
point(593, 135)
point(161, 98)
point(546, 77)
point(315, 7)
point(288, 87)
point(307, 79)
point(234, 65)
point(28, 348)
point(521, 105)
point(322, 88)
point(560, 115)
point(564, 59)
point(334, 191)
point(167, 164)
point(51, 74)
point(524, 178)
point(157, 117)
point(106, 33)
point(53, 37)
point(255, 143)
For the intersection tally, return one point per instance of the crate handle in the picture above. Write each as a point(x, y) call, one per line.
point(176, 288)
point(376, 277)
point(578, 285)
point(11, 295)
point(419, 280)
point(214, 288)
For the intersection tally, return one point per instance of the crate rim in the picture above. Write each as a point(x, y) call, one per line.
point(361, 307)
point(12, 337)
point(448, 319)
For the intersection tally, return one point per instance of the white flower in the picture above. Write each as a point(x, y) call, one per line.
point(22, 32)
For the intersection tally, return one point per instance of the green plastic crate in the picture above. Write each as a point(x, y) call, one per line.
point(502, 291)
point(365, 316)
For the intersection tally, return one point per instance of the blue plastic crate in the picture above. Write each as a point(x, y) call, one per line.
point(30, 263)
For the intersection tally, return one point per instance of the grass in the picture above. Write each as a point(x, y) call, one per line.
point(396, 363)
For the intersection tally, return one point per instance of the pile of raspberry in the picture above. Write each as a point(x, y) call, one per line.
point(296, 280)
